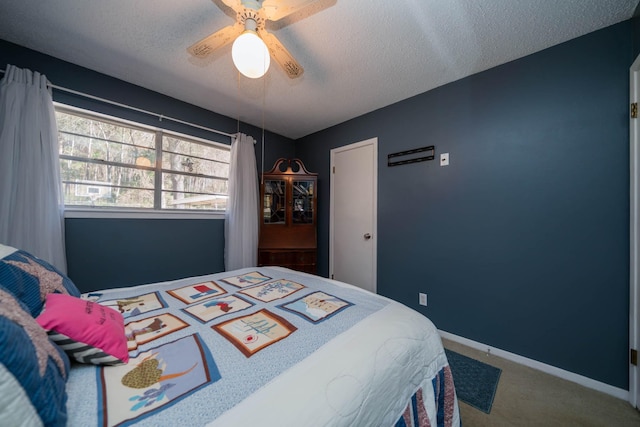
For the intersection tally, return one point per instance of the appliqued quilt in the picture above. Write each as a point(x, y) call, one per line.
point(201, 337)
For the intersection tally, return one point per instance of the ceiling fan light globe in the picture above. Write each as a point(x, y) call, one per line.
point(250, 55)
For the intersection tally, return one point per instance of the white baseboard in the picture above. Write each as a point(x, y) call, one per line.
point(552, 370)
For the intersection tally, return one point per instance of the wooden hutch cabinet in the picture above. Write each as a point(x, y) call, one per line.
point(288, 236)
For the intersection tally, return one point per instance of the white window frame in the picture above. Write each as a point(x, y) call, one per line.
point(74, 211)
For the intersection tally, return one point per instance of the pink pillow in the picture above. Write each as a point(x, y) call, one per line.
point(85, 330)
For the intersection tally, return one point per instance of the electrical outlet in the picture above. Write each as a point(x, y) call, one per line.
point(423, 298)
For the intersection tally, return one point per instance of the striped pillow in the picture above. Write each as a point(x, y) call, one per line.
point(87, 331)
point(82, 352)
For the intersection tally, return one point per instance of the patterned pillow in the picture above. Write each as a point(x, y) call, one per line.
point(33, 370)
point(85, 330)
point(30, 279)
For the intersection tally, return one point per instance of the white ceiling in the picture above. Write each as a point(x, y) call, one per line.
point(358, 55)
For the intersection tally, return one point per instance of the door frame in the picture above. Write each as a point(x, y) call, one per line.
point(634, 231)
point(374, 226)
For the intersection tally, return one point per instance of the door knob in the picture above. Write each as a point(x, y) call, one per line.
point(367, 236)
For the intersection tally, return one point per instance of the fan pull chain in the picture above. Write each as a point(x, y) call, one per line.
point(238, 101)
point(264, 95)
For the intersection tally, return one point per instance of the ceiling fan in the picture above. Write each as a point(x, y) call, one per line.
point(251, 16)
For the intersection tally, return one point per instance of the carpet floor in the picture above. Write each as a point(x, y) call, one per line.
point(528, 397)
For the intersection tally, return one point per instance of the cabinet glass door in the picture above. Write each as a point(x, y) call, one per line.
point(274, 201)
point(303, 202)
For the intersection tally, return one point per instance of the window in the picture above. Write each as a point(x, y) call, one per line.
point(109, 163)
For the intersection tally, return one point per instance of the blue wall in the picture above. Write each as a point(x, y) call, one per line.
point(104, 253)
point(522, 242)
point(109, 253)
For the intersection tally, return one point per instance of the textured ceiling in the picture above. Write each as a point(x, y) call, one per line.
point(358, 55)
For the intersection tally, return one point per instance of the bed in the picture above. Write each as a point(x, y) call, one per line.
point(258, 346)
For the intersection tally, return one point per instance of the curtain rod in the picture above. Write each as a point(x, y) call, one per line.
point(151, 113)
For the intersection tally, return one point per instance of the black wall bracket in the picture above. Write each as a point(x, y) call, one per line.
point(408, 153)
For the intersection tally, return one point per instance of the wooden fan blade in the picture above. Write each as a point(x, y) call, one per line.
point(215, 41)
point(233, 4)
point(281, 55)
point(229, 7)
point(278, 9)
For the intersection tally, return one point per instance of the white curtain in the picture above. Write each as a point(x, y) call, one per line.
point(241, 218)
point(31, 205)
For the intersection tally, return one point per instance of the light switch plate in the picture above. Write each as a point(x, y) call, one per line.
point(422, 298)
point(444, 159)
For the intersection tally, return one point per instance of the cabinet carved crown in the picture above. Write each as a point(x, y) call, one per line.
point(288, 223)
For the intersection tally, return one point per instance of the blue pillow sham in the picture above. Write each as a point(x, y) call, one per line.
point(33, 370)
point(30, 279)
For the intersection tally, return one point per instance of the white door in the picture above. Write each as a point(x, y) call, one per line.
point(353, 214)
point(634, 230)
